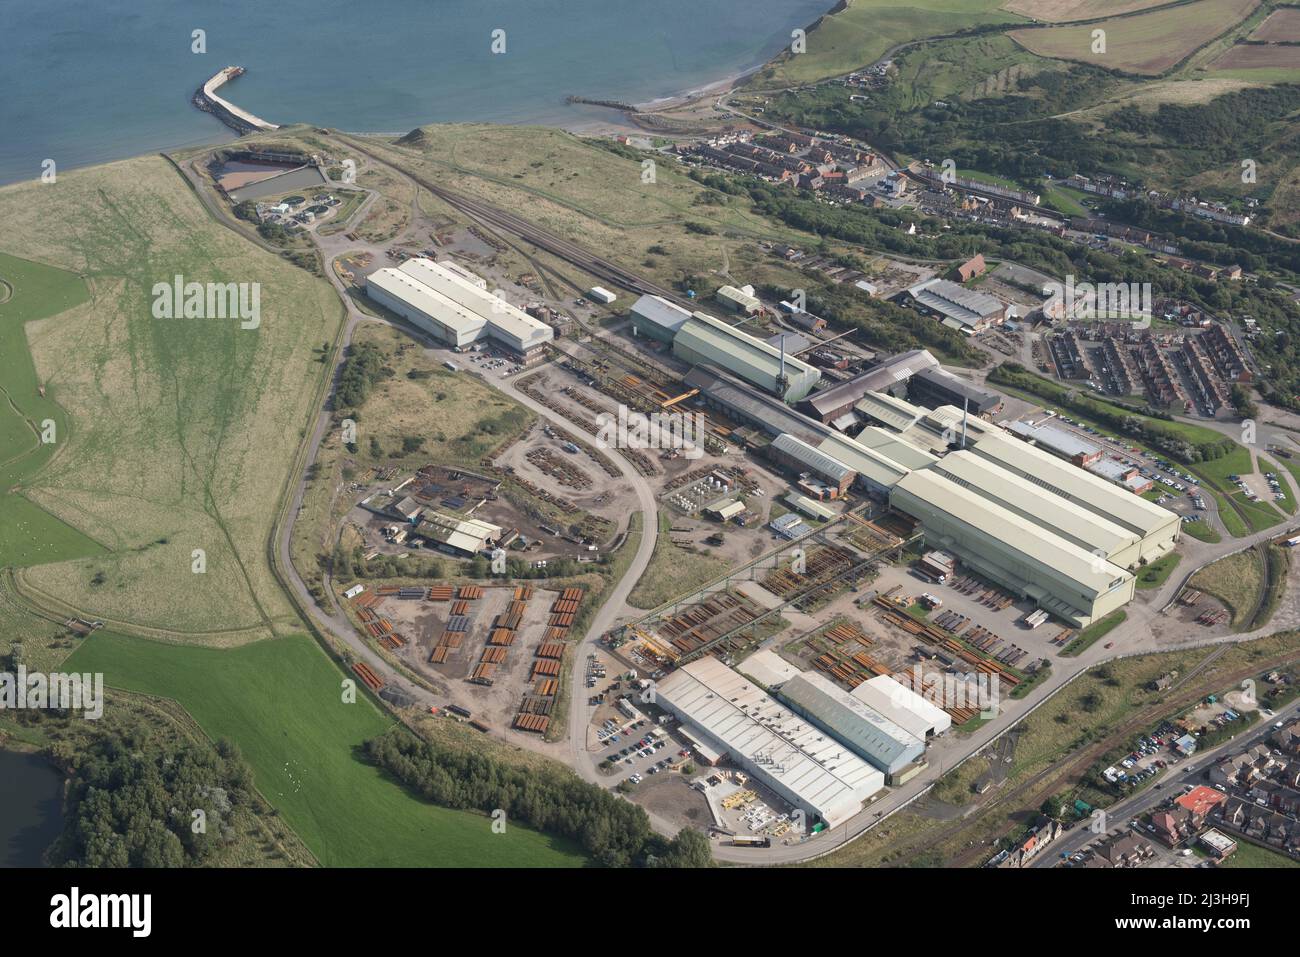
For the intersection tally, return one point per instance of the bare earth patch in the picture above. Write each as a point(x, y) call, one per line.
point(1149, 43)
point(1066, 11)
point(1249, 56)
point(1279, 26)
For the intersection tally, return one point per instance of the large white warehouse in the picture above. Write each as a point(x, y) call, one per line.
point(1158, 527)
point(455, 306)
point(903, 706)
point(787, 753)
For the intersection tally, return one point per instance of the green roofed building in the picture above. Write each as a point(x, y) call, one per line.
point(705, 340)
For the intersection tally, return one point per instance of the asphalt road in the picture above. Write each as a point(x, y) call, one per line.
point(1171, 781)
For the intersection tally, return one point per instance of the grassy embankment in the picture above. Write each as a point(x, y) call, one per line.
point(866, 30)
point(1093, 633)
point(180, 431)
point(30, 535)
point(281, 700)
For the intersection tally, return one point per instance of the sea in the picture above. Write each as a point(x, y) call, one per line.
point(90, 81)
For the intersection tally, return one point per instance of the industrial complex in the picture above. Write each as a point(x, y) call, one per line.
point(791, 754)
point(454, 306)
point(1025, 518)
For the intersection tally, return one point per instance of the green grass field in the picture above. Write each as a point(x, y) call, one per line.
point(1202, 532)
point(1236, 581)
point(281, 701)
point(868, 29)
point(179, 432)
point(28, 534)
point(1094, 633)
point(672, 571)
point(1252, 855)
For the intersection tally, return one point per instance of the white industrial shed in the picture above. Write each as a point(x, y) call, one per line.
point(1055, 514)
point(448, 302)
point(864, 729)
point(430, 311)
point(784, 752)
point(903, 706)
point(506, 322)
point(1158, 527)
point(767, 668)
point(1063, 578)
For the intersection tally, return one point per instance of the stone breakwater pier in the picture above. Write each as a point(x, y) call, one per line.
point(239, 120)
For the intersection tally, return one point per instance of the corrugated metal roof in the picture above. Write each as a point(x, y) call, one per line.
point(981, 400)
point(930, 431)
point(737, 297)
point(816, 460)
point(506, 319)
point(1015, 533)
point(776, 743)
point(903, 706)
point(894, 447)
point(809, 506)
point(419, 296)
point(712, 340)
point(864, 729)
point(1084, 488)
point(746, 402)
point(660, 312)
point(728, 509)
point(875, 468)
point(962, 305)
point(1055, 438)
point(466, 534)
point(895, 413)
point(892, 371)
point(1059, 515)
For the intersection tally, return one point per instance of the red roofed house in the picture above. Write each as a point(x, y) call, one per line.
point(1201, 800)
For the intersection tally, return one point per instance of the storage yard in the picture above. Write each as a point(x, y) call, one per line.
point(497, 651)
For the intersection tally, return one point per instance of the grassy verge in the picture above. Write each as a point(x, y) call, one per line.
point(672, 570)
point(29, 534)
point(1201, 531)
point(1094, 633)
point(1237, 581)
point(1279, 566)
point(1253, 856)
point(1157, 573)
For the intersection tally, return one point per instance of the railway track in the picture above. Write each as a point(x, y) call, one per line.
point(551, 242)
point(1032, 792)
